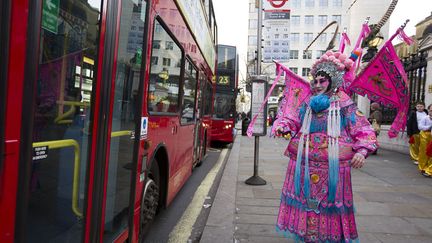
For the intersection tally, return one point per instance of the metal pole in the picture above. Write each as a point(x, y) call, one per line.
point(256, 156)
point(256, 179)
point(259, 37)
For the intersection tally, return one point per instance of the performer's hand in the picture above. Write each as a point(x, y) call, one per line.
point(280, 133)
point(357, 161)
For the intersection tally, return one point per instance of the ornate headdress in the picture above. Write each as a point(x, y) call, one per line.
point(335, 64)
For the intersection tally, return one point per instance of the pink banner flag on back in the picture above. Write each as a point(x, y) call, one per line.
point(298, 92)
point(384, 80)
point(344, 40)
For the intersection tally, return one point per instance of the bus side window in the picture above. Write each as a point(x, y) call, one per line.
point(189, 90)
point(164, 72)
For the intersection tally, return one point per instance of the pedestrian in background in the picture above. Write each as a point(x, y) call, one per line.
point(424, 161)
point(329, 137)
point(376, 119)
point(413, 131)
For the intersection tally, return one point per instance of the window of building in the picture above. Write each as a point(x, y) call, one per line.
point(308, 37)
point(309, 3)
point(309, 19)
point(307, 54)
point(285, 36)
point(305, 72)
point(252, 8)
point(169, 45)
point(276, 51)
point(319, 53)
point(158, 29)
point(323, 3)
point(296, 3)
point(276, 43)
point(337, 38)
point(251, 55)
point(337, 3)
point(276, 36)
point(295, 37)
point(295, 20)
point(322, 20)
point(337, 18)
point(252, 40)
point(166, 61)
point(294, 69)
point(268, 43)
point(156, 44)
point(293, 54)
point(323, 38)
point(284, 43)
point(253, 23)
point(154, 60)
point(165, 79)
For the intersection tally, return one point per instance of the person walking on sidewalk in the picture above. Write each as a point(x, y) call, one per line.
point(376, 119)
point(424, 161)
point(330, 137)
point(413, 130)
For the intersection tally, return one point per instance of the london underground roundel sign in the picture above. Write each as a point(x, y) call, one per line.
point(277, 3)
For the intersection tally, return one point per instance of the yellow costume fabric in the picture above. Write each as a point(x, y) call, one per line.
point(423, 159)
point(414, 148)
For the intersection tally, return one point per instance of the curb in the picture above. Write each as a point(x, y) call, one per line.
point(220, 223)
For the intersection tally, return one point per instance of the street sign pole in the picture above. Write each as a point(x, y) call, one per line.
point(256, 179)
point(259, 90)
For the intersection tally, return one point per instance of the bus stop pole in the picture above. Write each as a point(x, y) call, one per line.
point(256, 179)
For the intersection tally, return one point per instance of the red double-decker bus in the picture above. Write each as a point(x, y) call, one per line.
point(105, 107)
point(224, 114)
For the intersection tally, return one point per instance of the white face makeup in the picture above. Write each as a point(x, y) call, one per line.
point(319, 85)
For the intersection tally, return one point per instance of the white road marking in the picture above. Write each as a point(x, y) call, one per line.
point(183, 228)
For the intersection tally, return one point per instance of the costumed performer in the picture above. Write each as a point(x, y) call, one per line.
point(329, 137)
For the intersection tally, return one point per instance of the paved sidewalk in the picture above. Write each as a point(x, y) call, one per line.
point(393, 201)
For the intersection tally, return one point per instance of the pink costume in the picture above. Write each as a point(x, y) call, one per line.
point(314, 218)
point(327, 131)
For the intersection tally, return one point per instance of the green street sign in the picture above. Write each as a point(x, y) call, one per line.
point(50, 13)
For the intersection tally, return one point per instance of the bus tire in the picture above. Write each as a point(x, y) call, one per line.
point(150, 200)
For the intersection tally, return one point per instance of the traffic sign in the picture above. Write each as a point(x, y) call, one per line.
point(50, 13)
point(276, 6)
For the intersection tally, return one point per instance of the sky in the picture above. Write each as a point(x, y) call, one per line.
point(232, 21)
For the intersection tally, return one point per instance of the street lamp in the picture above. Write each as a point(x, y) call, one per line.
point(372, 42)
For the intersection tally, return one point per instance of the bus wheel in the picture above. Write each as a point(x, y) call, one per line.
point(150, 201)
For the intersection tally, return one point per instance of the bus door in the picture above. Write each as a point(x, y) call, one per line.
point(189, 124)
point(199, 134)
point(6, 204)
point(57, 118)
point(124, 118)
point(79, 114)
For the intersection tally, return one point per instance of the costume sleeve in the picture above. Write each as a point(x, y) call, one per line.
point(360, 130)
point(289, 122)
